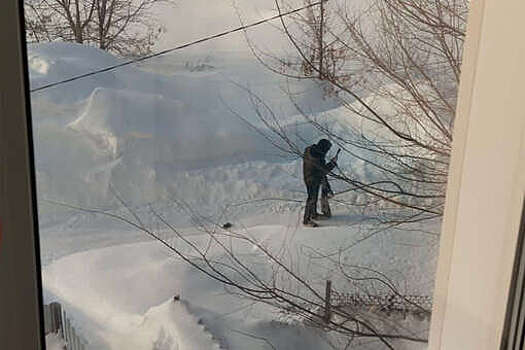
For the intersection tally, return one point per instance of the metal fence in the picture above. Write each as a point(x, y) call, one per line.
point(389, 305)
point(414, 304)
point(57, 321)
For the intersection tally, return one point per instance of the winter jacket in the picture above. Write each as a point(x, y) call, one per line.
point(314, 164)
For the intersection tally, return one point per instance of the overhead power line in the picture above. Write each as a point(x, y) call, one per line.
point(183, 46)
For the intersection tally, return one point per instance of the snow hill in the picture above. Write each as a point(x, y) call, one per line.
point(147, 134)
point(166, 134)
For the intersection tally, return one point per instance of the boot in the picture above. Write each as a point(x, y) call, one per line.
point(325, 208)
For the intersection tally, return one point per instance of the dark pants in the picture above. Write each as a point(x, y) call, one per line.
point(312, 187)
point(326, 191)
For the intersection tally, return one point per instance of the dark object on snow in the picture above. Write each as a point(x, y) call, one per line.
point(227, 225)
point(312, 223)
point(176, 298)
point(315, 170)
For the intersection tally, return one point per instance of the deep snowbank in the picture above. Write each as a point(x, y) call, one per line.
point(140, 134)
point(166, 131)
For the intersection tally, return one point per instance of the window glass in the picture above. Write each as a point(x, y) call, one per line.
point(241, 175)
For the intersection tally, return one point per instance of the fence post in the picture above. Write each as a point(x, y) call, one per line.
point(56, 316)
point(64, 326)
point(68, 337)
point(74, 343)
point(77, 341)
point(48, 326)
point(327, 304)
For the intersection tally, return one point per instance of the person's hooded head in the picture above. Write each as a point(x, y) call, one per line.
point(324, 145)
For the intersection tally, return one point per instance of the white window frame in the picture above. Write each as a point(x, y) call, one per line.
point(484, 195)
point(486, 183)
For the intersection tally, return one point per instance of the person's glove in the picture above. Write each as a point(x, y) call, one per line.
point(336, 157)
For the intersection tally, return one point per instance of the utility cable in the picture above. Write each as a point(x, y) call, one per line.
point(183, 46)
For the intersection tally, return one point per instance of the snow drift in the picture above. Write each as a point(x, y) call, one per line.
point(138, 132)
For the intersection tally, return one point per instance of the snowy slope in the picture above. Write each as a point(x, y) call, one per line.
point(139, 130)
point(129, 289)
point(163, 135)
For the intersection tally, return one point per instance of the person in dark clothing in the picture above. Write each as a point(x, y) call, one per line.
point(315, 170)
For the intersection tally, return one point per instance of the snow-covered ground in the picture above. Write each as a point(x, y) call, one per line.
point(122, 296)
point(164, 136)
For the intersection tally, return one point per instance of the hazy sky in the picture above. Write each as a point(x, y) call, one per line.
point(188, 20)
